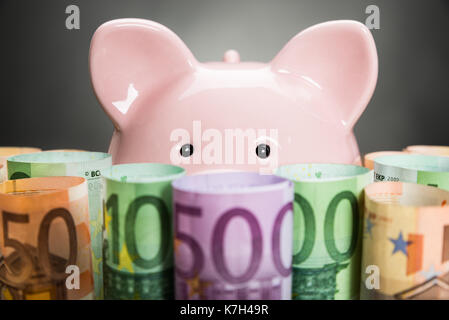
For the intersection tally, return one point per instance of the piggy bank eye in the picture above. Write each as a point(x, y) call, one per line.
point(186, 150)
point(263, 151)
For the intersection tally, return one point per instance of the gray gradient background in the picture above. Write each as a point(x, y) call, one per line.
point(47, 99)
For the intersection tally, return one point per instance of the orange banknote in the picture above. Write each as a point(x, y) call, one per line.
point(368, 159)
point(45, 242)
point(6, 152)
point(429, 150)
point(2, 173)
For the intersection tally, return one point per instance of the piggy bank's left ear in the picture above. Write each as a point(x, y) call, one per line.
point(341, 58)
point(134, 58)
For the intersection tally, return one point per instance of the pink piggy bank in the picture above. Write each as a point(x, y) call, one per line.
point(168, 107)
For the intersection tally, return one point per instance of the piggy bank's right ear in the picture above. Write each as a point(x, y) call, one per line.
point(131, 58)
point(339, 58)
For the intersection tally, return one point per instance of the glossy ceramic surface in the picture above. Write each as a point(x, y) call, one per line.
point(303, 104)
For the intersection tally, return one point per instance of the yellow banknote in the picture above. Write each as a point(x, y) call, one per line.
point(406, 242)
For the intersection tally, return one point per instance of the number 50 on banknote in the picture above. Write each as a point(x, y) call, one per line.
point(44, 231)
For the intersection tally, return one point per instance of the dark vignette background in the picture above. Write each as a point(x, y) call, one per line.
point(47, 99)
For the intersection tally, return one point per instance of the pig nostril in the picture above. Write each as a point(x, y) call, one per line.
point(231, 56)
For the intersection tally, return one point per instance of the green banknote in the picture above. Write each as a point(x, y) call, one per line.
point(328, 211)
point(89, 165)
point(415, 168)
point(138, 245)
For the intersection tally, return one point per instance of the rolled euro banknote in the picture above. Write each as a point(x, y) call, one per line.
point(2, 173)
point(328, 213)
point(406, 242)
point(66, 150)
point(233, 236)
point(138, 249)
point(45, 239)
point(368, 159)
point(88, 165)
point(429, 150)
point(421, 169)
point(6, 152)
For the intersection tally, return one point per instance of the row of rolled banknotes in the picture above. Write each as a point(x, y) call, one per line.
point(72, 226)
